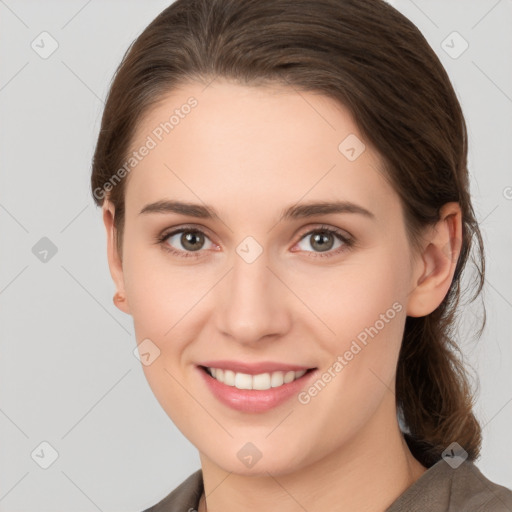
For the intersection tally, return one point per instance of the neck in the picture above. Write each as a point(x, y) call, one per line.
point(366, 474)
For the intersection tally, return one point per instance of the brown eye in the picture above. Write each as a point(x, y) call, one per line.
point(324, 240)
point(192, 240)
point(186, 240)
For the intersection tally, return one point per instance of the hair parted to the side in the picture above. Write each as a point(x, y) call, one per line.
point(374, 61)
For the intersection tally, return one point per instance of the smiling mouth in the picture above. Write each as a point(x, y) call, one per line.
point(258, 382)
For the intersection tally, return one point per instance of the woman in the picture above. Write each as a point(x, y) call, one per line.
point(286, 199)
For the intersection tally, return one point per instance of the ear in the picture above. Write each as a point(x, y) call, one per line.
point(434, 269)
point(114, 260)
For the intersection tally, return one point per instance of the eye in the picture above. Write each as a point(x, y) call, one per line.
point(323, 240)
point(190, 241)
point(185, 241)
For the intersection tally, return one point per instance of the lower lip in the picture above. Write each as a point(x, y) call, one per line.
point(254, 400)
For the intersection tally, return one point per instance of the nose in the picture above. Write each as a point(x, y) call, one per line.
point(252, 303)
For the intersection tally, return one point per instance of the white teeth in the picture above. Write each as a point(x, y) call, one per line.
point(243, 381)
point(229, 377)
point(276, 379)
point(288, 377)
point(261, 381)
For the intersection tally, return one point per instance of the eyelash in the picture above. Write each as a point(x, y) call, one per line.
point(348, 243)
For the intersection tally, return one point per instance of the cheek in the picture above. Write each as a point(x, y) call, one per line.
point(159, 293)
point(162, 301)
point(354, 297)
point(364, 305)
point(366, 313)
point(165, 303)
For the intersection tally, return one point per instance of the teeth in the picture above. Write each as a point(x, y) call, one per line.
point(261, 381)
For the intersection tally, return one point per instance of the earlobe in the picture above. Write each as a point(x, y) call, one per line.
point(435, 268)
point(114, 259)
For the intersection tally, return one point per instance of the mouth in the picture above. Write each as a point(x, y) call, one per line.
point(258, 382)
point(255, 392)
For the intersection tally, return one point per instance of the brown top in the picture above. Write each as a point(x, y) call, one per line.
point(440, 489)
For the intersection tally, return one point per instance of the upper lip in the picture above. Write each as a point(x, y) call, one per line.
point(254, 368)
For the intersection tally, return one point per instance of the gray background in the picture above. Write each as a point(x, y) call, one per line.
point(68, 375)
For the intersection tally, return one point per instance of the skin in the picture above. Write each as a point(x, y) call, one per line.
point(250, 152)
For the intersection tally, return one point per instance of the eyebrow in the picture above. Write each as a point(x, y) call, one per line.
point(297, 211)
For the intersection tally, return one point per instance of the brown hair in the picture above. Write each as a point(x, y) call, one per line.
point(372, 59)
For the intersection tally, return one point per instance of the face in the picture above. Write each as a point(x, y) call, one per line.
point(253, 282)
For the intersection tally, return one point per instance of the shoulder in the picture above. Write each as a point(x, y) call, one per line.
point(474, 491)
point(184, 498)
point(443, 488)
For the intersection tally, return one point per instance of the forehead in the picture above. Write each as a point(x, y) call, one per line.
point(228, 144)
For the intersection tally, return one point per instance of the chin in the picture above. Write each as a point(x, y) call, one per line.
point(247, 461)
